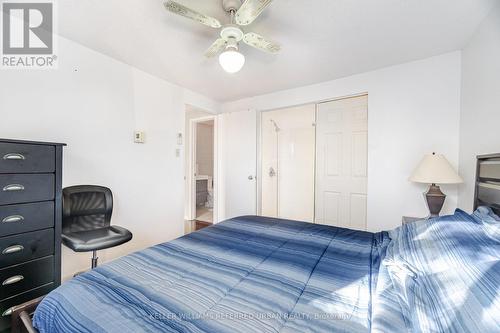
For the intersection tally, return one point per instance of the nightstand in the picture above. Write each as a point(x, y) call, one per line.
point(409, 219)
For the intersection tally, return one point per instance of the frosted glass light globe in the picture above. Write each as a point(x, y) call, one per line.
point(231, 61)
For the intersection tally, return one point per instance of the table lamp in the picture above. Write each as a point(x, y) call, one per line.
point(435, 169)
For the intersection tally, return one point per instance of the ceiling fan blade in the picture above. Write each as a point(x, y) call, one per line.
point(259, 42)
point(215, 48)
point(250, 10)
point(182, 10)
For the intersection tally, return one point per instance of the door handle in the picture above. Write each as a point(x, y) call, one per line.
point(13, 188)
point(12, 280)
point(13, 219)
point(13, 156)
point(272, 172)
point(250, 177)
point(13, 249)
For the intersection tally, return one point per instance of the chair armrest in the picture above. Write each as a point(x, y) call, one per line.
point(21, 316)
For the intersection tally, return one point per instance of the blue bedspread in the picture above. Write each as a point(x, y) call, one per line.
point(254, 274)
point(446, 272)
point(249, 274)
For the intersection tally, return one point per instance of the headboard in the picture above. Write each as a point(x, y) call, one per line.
point(487, 191)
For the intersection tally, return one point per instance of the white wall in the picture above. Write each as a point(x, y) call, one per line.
point(413, 109)
point(94, 103)
point(480, 114)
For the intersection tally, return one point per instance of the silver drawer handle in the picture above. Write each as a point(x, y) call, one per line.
point(13, 249)
point(7, 312)
point(14, 156)
point(13, 219)
point(12, 280)
point(13, 187)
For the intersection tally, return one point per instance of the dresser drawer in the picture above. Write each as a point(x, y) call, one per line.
point(25, 247)
point(23, 277)
point(25, 158)
point(19, 188)
point(15, 219)
point(7, 304)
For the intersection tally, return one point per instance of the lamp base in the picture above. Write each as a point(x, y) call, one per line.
point(435, 200)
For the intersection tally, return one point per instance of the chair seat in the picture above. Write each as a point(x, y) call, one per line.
point(96, 239)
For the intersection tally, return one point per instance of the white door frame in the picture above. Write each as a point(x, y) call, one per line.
point(191, 167)
point(258, 170)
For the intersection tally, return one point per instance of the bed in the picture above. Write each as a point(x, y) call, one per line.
point(248, 274)
point(256, 274)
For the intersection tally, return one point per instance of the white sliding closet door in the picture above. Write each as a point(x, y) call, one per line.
point(341, 162)
point(239, 149)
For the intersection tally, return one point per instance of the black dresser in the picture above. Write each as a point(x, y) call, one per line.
point(30, 222)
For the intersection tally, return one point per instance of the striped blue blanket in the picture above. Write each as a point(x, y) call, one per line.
point(255, 274)
point(446, 272)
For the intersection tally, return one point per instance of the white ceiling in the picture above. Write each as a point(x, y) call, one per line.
point(322, 39)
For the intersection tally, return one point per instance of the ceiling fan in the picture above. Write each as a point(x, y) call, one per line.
point(242, 13)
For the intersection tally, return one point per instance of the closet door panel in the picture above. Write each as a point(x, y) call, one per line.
point(341, 162)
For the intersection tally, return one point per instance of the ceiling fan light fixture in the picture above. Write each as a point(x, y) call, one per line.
point(231, 60)
point(242, 12)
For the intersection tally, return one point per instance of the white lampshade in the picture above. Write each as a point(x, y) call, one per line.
point(231, 61)
point(435, 169)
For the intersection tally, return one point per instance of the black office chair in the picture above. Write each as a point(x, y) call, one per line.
point(86, 225)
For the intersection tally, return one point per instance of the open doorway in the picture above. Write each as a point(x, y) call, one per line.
point(201, 169)
point(204, 170)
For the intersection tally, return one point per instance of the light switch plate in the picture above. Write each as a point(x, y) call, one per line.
point(139, 137)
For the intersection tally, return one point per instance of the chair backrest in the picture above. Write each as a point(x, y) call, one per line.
point(86, 207)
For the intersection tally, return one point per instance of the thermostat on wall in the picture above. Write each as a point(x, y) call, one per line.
point(139, 137)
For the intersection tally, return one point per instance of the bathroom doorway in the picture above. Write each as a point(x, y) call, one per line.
point(201, 169)
point(204, 170)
